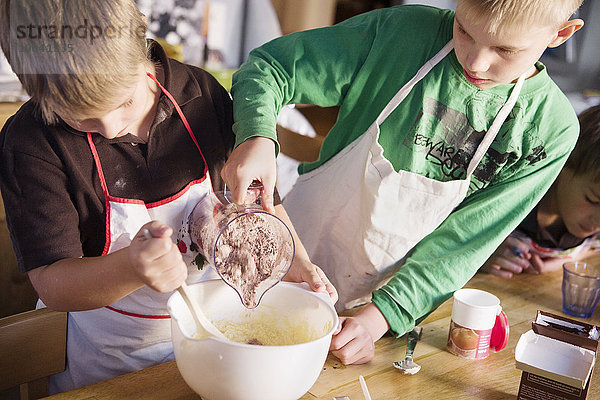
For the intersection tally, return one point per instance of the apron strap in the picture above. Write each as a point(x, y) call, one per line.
point(402, 93)
point(494, 128)
point(98, 165)
point(104, 190)
point(496, 125)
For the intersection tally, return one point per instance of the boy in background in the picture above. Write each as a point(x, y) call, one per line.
point(447, 125)
point(564, 225)
point(116, 139)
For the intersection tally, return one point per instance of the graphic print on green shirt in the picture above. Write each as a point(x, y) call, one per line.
point(454, 141)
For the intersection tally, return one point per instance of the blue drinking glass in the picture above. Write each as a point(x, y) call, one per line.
point(580, 288)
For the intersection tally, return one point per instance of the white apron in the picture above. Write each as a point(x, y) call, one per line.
point(134, 332)
point(364, 217)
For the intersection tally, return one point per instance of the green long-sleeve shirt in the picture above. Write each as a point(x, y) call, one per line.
point(359, 65)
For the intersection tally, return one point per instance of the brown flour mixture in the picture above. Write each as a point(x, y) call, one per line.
point(253, 252)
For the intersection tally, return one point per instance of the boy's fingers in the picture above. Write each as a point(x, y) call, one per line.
point(238, 188)
point(495, 269)
point(155, 229)
point(529, 267)
point(501, 273)
point(511, 267)
point(536, 263)
point(234, 176)
point(515, 260)
point(532, 270)
point(331, 290)
point(343, 337)
point(267, 195)
point(267, 203)
point(339, 326)
point(502, 268)
point(518, 247)
point(237, 195)
point(314, 281)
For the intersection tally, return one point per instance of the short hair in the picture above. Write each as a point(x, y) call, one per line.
point(503, 14)
point(585, 157)
point(73, 55)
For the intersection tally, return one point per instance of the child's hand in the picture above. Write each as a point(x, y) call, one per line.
point(155, 259)
point(252, 160)
point(355, 342)
point(548, 264)
point(511, 257)
point(554, 264)
point(303, 270)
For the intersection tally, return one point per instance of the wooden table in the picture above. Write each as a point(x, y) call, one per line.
point(442, 376)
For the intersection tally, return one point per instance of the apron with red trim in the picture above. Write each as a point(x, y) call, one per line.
point(134, 332)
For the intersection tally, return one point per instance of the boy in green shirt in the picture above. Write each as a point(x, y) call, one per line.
point(448, 124)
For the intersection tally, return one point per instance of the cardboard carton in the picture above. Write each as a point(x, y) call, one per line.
point(297, 15)
point(557, 358)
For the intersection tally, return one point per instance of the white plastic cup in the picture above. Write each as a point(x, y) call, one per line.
point(478, 324)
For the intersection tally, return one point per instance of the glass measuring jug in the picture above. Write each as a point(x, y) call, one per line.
point(251, 249)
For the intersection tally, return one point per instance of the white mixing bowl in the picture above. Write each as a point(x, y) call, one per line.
point(217, 369)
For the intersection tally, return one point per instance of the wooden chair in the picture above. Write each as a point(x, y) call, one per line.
point(306, 148)
point(18, 294)
point(32, 347)
point(298, 146)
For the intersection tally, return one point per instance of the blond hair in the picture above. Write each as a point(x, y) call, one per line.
point(73, 55)
point(503, 14)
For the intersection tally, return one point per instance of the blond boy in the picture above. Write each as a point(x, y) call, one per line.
point(117, 139)
point(449, 132)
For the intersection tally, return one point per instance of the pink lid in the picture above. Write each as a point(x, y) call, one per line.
point(500, 332)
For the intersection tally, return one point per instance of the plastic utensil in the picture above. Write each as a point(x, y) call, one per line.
point(408, 366)
point(203, 324)
point(363, 385)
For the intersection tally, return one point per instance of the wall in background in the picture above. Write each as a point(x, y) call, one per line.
point(297, 15)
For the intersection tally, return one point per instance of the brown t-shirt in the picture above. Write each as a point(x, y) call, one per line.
point(54, 203)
